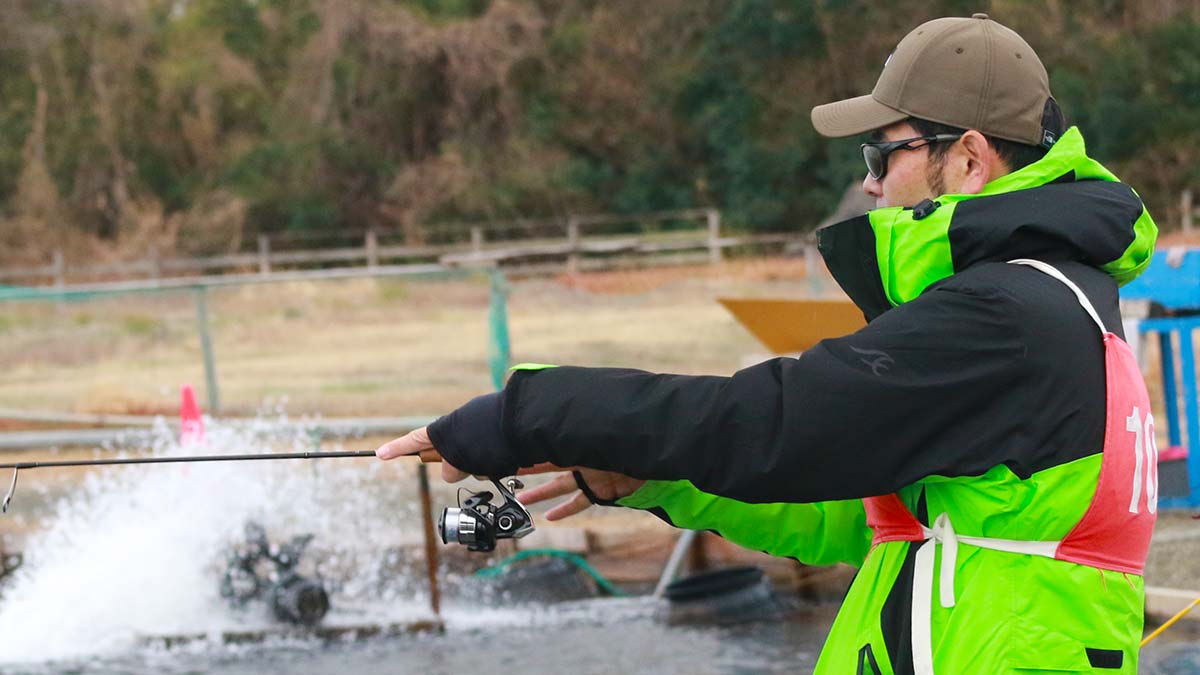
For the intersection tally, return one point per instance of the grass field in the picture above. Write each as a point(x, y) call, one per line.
point(371, 346)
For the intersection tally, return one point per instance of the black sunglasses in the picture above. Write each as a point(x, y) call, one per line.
point(876, 154)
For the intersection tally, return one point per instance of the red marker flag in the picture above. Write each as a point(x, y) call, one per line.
point(191, 427)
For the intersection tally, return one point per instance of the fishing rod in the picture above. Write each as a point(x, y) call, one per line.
point(426, 456)
point(477, 522)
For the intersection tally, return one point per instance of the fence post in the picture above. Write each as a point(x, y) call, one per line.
point(714, 235)
point(155, 263)
point(210, 362)
point(477, 240)
point(812, 269)
point(573, 242)
point(1186, 210)
point(59, 270)
point(264, 254)
point(372, 245)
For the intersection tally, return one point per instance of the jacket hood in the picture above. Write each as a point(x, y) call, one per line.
point(1066, 206)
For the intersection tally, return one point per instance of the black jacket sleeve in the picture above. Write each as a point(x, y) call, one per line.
point(976, 372)
point(471, 437)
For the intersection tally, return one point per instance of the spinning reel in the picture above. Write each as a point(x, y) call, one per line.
point(477, 523)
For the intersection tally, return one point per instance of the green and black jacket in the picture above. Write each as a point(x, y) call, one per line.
point(976, 388)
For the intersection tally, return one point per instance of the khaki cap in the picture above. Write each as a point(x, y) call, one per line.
point(969, 73)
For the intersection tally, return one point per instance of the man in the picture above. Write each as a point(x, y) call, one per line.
point(982, 449)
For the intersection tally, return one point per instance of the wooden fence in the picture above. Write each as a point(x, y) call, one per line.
point(1187, 211)
point(579, 242)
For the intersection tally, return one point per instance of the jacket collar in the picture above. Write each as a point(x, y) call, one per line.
point(1065, 206)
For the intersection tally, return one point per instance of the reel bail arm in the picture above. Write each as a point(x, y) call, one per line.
point(11, 490)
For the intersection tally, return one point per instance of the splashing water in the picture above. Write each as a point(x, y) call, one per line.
point(139, 551)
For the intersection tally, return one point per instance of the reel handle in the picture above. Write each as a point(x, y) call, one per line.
point(430, 457)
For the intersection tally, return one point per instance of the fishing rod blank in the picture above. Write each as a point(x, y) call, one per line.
point(426, 456)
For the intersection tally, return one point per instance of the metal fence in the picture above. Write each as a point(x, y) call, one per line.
point(178, 330)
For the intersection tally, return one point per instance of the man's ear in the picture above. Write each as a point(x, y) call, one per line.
point(975, 163)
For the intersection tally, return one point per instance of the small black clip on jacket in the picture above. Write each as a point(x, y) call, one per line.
point(924, 208)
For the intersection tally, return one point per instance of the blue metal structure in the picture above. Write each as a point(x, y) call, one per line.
point(1173, 281)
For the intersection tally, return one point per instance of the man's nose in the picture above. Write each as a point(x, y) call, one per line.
point(872, 187)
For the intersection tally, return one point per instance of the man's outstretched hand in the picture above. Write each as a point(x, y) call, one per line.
point(470, 440)
point(414, 443)
point(606, 485)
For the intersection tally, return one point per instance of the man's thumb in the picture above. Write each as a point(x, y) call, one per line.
point(409, 444)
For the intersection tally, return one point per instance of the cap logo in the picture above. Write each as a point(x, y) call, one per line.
point(1053, 123)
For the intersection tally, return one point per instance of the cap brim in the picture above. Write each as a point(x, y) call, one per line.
point(854, 116)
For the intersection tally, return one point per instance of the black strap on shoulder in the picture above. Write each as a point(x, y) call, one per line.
point(587, 491)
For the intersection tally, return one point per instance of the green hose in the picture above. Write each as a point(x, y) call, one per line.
point(576, 560)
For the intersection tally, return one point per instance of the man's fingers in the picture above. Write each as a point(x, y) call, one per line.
point(409, 444)
point(559, 486)
point(569, 508)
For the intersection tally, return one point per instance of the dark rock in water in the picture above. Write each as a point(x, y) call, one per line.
point(9, 563)
point(732, 595)
point(297, 600)
point(543, 580)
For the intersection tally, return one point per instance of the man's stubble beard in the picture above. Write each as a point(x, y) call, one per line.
point(934, 177)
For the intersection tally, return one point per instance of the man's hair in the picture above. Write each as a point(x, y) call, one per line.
point(1015, 155)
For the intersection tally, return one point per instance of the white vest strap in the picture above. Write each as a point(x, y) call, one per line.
point(1053, 271)
point(942, 534)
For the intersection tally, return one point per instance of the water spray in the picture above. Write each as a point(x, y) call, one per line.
point(476, 522)
point(171, 590)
